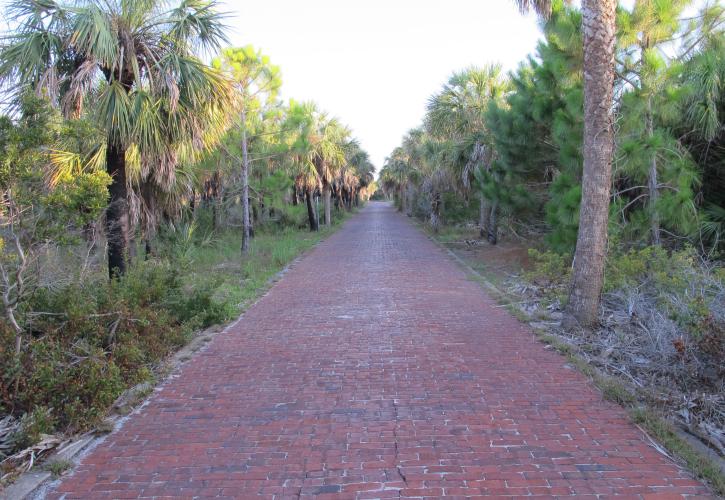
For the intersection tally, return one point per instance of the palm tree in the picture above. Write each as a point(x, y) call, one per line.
point(358, 173)
point(254, 78)
point(300, 126)
point(599, 27)
point(328, 155)
point(397, 170)
point(135, 64)
point(456, 114)
point(320, 145)
point(437, 178)
point(412, 148)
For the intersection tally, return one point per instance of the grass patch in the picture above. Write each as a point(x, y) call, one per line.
point(57, 467)
point(241, 278)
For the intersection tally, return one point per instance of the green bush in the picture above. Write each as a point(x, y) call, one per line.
point(200, 306)
point(549, 268)
point(632, 267)
point(457, 212)
point(33, 425)
point(688, 289)
point(94, 340)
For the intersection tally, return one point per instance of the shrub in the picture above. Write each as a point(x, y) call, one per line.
point(95, 339)
point(549, 268)
point(689, 290)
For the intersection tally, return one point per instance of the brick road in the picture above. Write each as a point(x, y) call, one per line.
point(376, 369)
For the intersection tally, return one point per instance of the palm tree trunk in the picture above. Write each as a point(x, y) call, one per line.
point(435, 216)
point(117, 217)
point(311, 215)
point(406, 199)
point(327, 199)
point(295, 197)
point(652, 183)
point(245, 187)
point(218, 205)
point(401, 191)
point(483, 215)
point(148, 248)
point(150, 223)
point(492, 226)
point(599, 27)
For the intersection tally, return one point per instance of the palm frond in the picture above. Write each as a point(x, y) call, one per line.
point(541, 7)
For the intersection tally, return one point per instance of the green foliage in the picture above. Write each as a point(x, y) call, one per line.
point(687, 289)
point(58, 467)
point(272, 190)
point(524, 151)
point(168, 107)
point(550, 272)
point(101, 337)
point(79, 200)
point(33, 425)
point(79, 383)
point(538, 132)
point(252, 71)
point(562, 213)
point(650, 108)
point(549, 268)
point(455, 212)
point(201, 307)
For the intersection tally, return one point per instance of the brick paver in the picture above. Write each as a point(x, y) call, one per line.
point(376, 369)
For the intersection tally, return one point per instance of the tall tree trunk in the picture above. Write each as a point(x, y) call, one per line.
point(402, 199)
point(263, 210)
point(311, 215)
point(483, 214)
point(89, 235)
point(406, 197)
point(599, 27)
point(192, 206)
point(492, 225)
point(148, 248)
point(295, 197)
point(150, 222)
point(327, 199)
point(245, 187)
point(117, 217)
point(435, 214)
point(652, 183)
point(218, 204)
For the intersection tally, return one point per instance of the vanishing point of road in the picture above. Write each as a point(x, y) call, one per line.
point(376, 369)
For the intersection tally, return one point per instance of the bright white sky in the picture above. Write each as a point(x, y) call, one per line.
point(374, 63)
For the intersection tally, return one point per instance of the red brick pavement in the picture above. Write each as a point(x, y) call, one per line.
point(376, 369)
